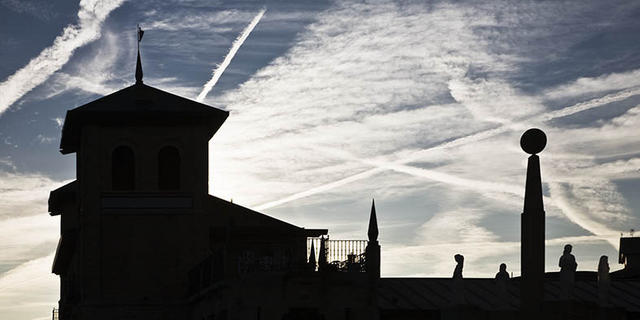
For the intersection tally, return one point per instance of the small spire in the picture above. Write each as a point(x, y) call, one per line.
point(138, 62)
point(138, 70)
point(373, 223)
point(312, 257)
point(322, 255)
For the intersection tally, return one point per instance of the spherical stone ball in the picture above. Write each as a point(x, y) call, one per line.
point(533, 141)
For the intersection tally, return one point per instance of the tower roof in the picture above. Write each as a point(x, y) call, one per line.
point(373, 223)
point(138, 104)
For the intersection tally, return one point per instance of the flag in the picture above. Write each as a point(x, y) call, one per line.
point(140, 33)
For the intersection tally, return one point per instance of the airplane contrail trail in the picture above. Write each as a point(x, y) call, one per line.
point(573, 109)
point(91, 16)
point(232, 52)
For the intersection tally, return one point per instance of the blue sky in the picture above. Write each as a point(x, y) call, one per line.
point(418, 104)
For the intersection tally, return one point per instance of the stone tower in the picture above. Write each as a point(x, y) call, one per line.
point(128, 234)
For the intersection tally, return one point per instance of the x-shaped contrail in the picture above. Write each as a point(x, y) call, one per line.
point(400, 165)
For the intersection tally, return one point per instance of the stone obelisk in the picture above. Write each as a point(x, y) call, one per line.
point(532, 229)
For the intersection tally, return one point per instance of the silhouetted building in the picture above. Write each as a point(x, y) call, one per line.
point(630, 257)
point(141, 238)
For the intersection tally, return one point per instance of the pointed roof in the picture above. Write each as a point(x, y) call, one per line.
point(138, 104)
point(373, 223)
point(322, 254)
point(312, 256)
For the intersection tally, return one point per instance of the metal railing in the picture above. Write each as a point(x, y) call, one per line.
point(343, 255)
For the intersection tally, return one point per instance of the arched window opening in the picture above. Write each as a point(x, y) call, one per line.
point(169, 168)
point(123, 169)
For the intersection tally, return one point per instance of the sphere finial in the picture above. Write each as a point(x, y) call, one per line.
point(533, 141)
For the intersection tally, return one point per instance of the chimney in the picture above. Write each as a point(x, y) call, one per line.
point(630, 257)
point(532, 142)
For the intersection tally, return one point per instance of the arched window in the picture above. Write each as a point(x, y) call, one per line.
point(123, 169)
point(169, 168)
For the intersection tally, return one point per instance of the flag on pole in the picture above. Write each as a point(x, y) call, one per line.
point(140, 33)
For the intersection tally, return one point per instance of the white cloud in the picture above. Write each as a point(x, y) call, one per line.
point(91, 15)
point(210, 21)
point(30, 290)
point(7, 162)
point(493, 100)
point(24, 194)
point(59, 122)
point(372, 88)
point(44, 139)
point(436, 260)
point(96, 74)
point(27, 238)
point(590, 85)
point(27, 241)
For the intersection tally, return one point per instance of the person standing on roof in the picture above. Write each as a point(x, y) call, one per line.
point(502, 277)
point(457, 285)
point(568, 267)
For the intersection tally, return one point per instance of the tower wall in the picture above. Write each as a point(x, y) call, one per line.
point(137, 245)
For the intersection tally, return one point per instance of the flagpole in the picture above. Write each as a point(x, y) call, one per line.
point(139, 34)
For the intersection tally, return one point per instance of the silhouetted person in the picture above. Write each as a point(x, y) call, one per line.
point(603, 280)
point(457, 272)
point(502, 274)
point(458, 285)
point(502, 277)
point(568, 267)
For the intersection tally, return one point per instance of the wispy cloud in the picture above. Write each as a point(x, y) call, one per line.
point(91, 15)
point(96, 74)
point(27, 241)
point(593, 85)
point(40, 10)
point(24, 194)
point(419, 106)
point(388, 87)
point(405, 157)
point(29, 290)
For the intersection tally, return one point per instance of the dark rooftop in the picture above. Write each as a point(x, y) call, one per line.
point(437, 293)
point(138, 104)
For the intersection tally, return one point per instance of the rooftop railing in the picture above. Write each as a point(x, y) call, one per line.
point(341, 255)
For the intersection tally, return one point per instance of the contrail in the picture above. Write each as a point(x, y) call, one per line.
point(91, 15)
point(232, 52)
point(573, 109)
point(321, 188)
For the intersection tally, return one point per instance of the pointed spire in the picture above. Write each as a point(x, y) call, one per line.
point(312, 257)
point(138, 62)
point(138, 70)
point(373, 223)
point(322, 255)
